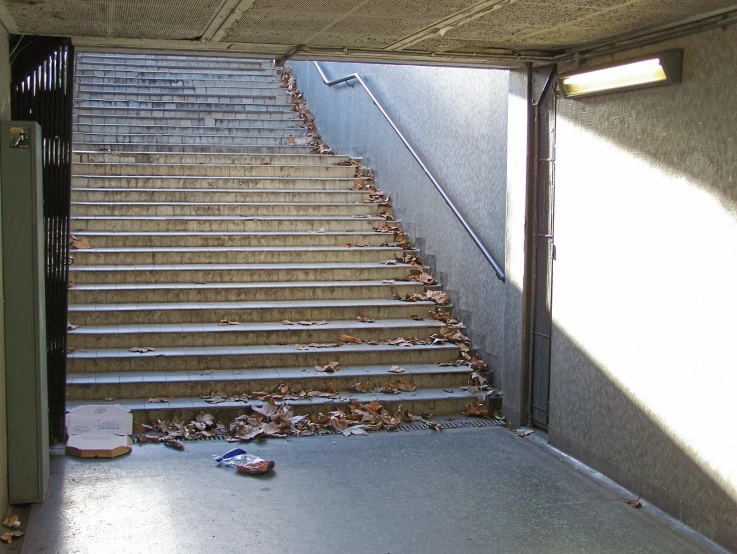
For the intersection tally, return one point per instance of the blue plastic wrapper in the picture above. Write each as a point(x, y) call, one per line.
point(244, 462)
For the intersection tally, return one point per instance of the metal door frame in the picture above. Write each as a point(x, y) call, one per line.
point(541, 231)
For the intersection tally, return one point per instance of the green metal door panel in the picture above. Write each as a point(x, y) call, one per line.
point(24, 311)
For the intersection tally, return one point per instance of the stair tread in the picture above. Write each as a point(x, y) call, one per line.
point(276, 374)
point(229, 285)
point(163, 328)
point(162, 306)
point(212, 191)
point(418, 395)
point(254, 350)
point(223, 233)
point(242, 267)
point(388, 249)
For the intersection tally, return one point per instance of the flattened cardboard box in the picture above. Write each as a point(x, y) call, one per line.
point(99, 431)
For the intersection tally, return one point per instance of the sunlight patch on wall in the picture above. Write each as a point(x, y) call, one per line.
point(645, 282)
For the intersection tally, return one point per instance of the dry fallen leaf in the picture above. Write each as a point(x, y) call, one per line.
point(141, 427)
point(12, 522)
point(434, 426)
point(329, 368)
point(158, 400)
point(74, 242)
point(363, 386)
point(10, 535)
point(109, 398)
point(286, 322)
point(228, 322)
point(355, 430)
point(396, 369)
point(141, 349)
point(347, 339)
point(406, 386)
point(634, 503)
point(309, 322)
point(366, 319)
point(71, 327)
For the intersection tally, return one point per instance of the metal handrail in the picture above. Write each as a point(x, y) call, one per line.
point(476, 239)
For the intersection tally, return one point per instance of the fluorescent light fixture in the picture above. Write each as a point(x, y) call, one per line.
point(648, 71)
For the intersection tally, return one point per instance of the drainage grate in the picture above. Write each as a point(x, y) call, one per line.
point(419, 426)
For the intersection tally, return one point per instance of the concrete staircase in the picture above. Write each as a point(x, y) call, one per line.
point(209, 223)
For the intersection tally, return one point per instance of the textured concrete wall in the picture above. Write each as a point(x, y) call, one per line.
point(457, 120)
point(4, 115)
point(643, 368)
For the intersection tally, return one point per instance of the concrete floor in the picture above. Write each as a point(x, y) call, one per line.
point(455, 491)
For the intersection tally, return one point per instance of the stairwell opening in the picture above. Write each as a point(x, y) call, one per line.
point(232, 271)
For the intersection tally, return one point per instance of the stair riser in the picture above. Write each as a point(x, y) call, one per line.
point(88, 139)
point(299, 358)
point(264, 183)
point(253, 210)
point(215, 195)
point(164, 81)
point(291, 334)
point(399, 310)
point(197, 388)
point(218, 240)
point(212, 109)
point(213, 275)
point(196, 225)
point(99, 122)
point(163, 65)
point(415, 405)
point(100, 114)
point(194, 74)
point(212, 170)
point(237, 159)
point(262, 294)
point(216, 94)
point(137, 124)
point(346, 255)
point(151, 131)
point(249, 149)
point(220, 89)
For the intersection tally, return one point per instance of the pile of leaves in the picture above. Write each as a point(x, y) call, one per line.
point(299, 105)
point(13, 523)
point(355, 418)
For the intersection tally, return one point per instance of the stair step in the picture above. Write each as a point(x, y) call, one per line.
point(237, 96)
point(211, 170)
point(117, 293)
point(251, 149)
point(253, 357)
point(81, 224)
point(233, 254)
point(123, 239)
point(185, 335)
point(219, 195)
point(222, 112)
point(212, 182)
point(265, 104)
point(198, 60)
point(194, 73)
point(437, 401)
point(86, 124)
point(84, 62)
point(218, 273)
point(172, 384)
point(208, 140)
point(222, 208)
point(218, 89)
point(276, 121)
point(206, 158)
point(245, 312)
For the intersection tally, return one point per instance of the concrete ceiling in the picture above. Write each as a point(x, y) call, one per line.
point(458, 32)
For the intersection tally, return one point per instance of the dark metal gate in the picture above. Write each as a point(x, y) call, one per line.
point(543, 248)
point(42, 90)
